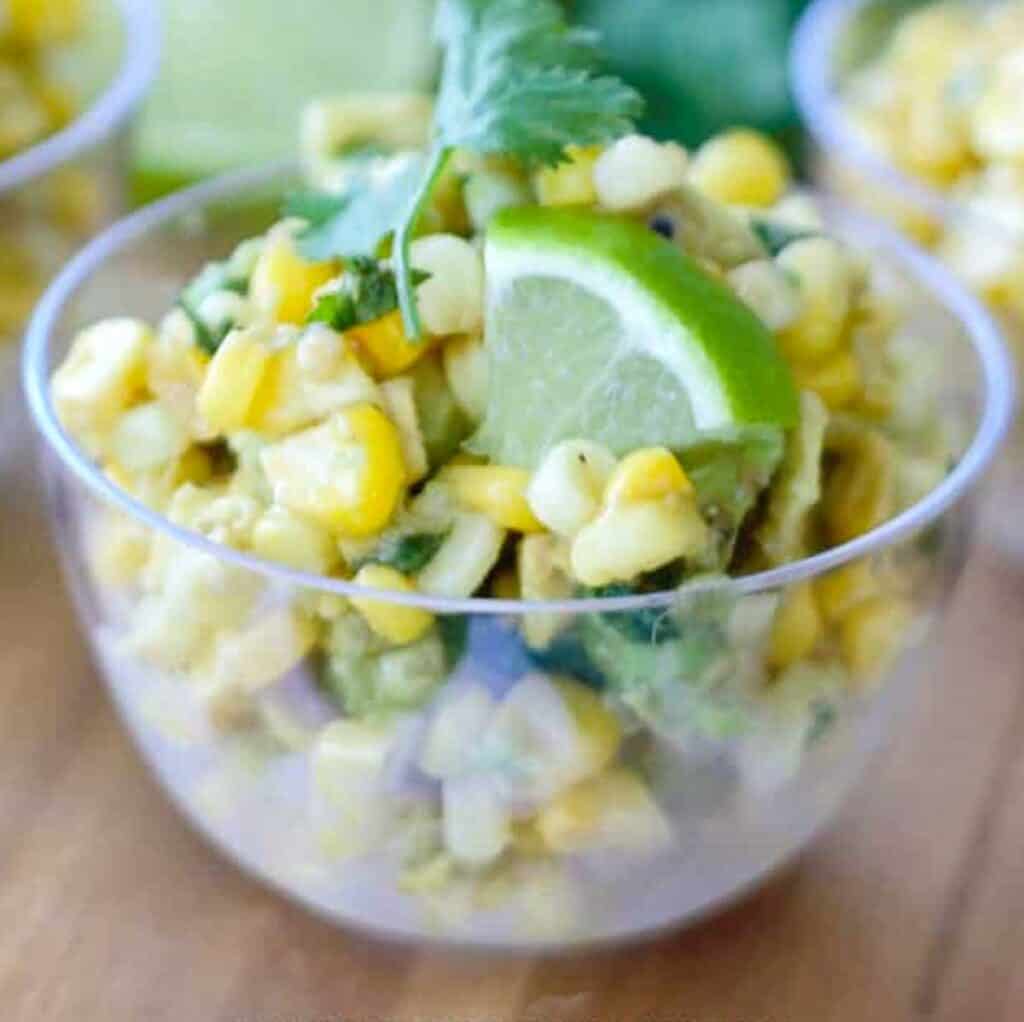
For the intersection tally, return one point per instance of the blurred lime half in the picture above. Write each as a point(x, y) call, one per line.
point(237, 73)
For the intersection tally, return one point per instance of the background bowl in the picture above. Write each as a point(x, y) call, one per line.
point(739, 787)
point(832, 41)
point(61, 190)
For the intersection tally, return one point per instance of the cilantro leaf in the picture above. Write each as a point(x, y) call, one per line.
point(367, 292)
point(517, 80)
point(357, 222)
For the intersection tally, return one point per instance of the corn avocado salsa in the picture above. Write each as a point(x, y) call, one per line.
point(34, 103)
point(941, 101)
point(543, 358)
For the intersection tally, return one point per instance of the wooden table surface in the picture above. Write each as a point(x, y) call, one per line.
point(112, 909)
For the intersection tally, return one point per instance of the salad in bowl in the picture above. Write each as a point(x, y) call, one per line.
point(511, 541)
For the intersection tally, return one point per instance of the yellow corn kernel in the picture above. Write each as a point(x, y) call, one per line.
point(194, 466)
point(119, 550)
point(838, 382)
point(385, 348)
point(859, 495)
point(597, 726)
point(346, 474)
point(823, 274)
point(571, 183)
point(631, 539)
point(290, 397)
point(287, 539)
point(647, 474)
point(103, 373)
point(871, 635)
point(498, 491)
point(612, 810)
point(42, 22)
point(283, 283)
point(841, 590)
point(232, 380)
point(741, 168)
point(797, 629)
point(391, 621)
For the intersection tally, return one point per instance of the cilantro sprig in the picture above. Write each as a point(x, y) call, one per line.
point(517, 81)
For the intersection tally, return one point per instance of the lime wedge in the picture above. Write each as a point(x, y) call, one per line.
point(237, 73)
point(598, 328)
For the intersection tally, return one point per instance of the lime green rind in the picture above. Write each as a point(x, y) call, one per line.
point(752, 374)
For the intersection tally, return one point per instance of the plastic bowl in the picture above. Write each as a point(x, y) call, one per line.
point(58, 192)
point(833, 39)
point(737, 788)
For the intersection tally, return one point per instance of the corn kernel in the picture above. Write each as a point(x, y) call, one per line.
point(822, 271)
point(465, 559)
point(38, 23)
point(838, 382)
point(871, 635)
point(148, 437)
point(566, 491)
point(634, 172)
point(287, 539)
point(290, 398)
point(764, 288)
point(648, 474)
point(385, 348)
point(543, 571)
point(741, 168)
point(103, 373)
point(466, 370)
point(232, 379)
point(612, 810)
point(841, 590)
point(797, 629)
point(263, 652)
point(283, 283)
point(346, 474)
point(570, 183)
point(118, 550)
point(400, 404)
point(859, 495)
point(597, 725)
point(391, 621)
point(497, 491)
point(632, 539)
point(451, 301)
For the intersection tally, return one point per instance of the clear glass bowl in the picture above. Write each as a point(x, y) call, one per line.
point(721, 779)
point(61, 190)
point(832, 41)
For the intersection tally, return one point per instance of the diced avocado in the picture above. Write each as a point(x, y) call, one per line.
point(444, 425)
point(408, 554)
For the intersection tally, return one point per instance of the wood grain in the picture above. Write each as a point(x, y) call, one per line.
point(112, 909)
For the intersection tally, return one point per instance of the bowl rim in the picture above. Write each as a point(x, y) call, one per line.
point(140, 60)
point(815, 41)
point(985, 337)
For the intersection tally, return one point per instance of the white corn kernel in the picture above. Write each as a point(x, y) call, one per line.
point(319, 352)
point(452, 300)
point(763, 287)
point(632, 539)
point(466, 369)
point(636, 171)
point(565, 491)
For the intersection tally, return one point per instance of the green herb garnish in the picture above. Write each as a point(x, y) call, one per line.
point(776, 236)
point(367, 292)
point(410, 553)
point(518, 81)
